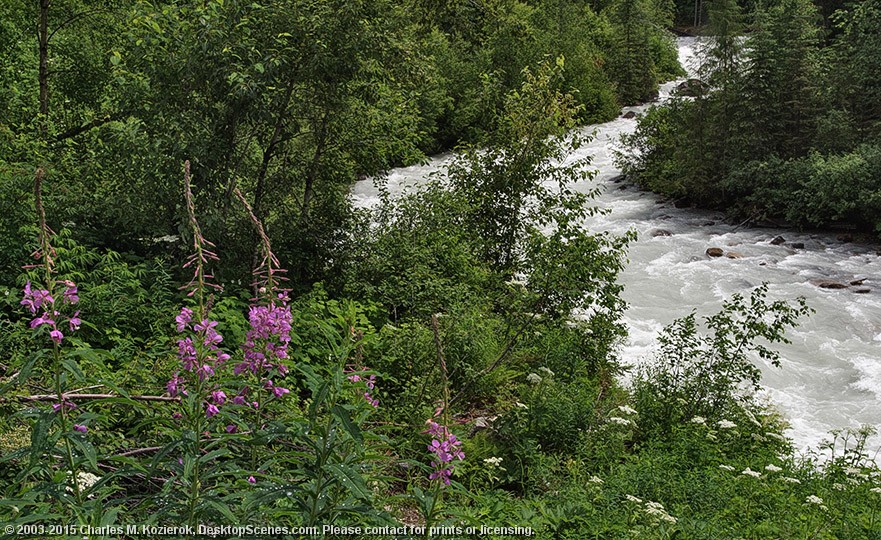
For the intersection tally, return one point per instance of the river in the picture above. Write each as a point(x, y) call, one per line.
point(830, 375)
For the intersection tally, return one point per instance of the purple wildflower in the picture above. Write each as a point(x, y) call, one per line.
point(81, 428)
point(218, 396)
point(231, 428)
point(211, 410)
point(252, 480)
point(56, 336)
point(186, 315)
point(446, 447)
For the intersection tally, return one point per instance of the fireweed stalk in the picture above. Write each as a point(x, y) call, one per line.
point(50, 302)
point(265, 350)
point(199, 352)
point(444, 446)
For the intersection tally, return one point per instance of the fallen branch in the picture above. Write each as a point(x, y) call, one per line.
point(74, 397)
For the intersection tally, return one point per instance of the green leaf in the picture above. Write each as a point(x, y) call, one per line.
point(350, 479)
point(340, 412)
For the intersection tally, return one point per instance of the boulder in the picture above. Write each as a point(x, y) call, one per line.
point(797, 245)
point(715, 252)
point(629, 115)
point(858, 280)
point(691, 88)
point(828, 284)
point(661, 232)
point(862, 290)
point(734, 255)
point(777, 241)
point(847, 237)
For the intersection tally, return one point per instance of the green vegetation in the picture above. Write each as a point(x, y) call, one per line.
point(243, 348)
point(786, 125)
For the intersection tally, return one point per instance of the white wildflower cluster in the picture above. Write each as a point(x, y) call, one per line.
point(876, 490)
point(626, 409)
point(772, 468)
point(493, 461)
point(727, 467)
point(699, 420)
point(813, 499)
point(750, 472)
point(790, 480)
point(726, 424)
point(595, 480)
point(546, 371)
point(776, 436)
point(656, 511)
point(618, 420)
point(838, 487)
point(84, 481)
point(521, 405)
point(633, 499)
point(533, 378)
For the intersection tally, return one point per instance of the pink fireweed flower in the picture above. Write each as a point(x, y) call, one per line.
point(211, 410)
point(175, 385)
point(218, 396)
point(70, 292)
point(252, 480)
point(81, 428)
point(278, 391)
point(231, 428)
point(65, 405)
point(358, 377)
point(186, 315)
point(56, 336)
point(75, 322)
point(445, 447)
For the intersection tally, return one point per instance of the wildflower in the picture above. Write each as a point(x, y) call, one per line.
point(626, 409)
point(699, 420)
point(837, 486)
point(772, 468)
point(174, 385)
point(813, 499)
point(218, 397)
point(70, 292)
point(726, 424)
point(750, 472)
point(521, 405)
point(211, 410)
point(790, 480)
point(65, 405)
point(546, 371)
point(875, 490)
point(184, 318)
point(75, 322)
point(727, 467)
point(252, 480)
point(493, 461)
point(772, 435)
point(231, 428)
point(81, 428)
point(445, 446)
point(633, 499)
point(84, 480)
point(56, 336)
point(852, 471)
point(595, 480)
point(533, 378)
point(618, 420)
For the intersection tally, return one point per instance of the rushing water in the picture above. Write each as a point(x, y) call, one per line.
point(830, 375)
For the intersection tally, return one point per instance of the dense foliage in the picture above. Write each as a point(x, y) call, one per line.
point(786, 124)
point(243, 348)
